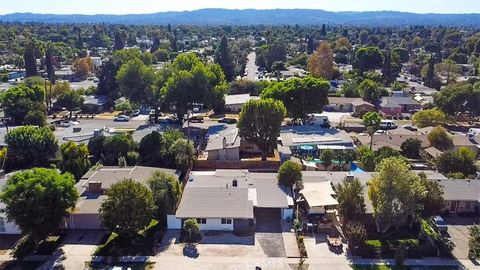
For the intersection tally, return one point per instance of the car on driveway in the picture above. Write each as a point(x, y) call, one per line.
point(68, 123)
point(122, 118)
point(440, 224)
point(227, 120)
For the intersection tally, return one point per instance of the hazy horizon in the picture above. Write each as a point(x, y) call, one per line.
point(122, 7)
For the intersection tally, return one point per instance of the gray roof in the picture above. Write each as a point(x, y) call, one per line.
point(401, 100)
point(238, 99)
point(211, 194)
point(461, 190)
point(99, 100)
point(217, 134)
point(389, 104)
point(312, 134)
point(107, 176)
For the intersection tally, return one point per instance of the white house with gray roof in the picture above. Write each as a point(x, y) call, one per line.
point(229, 200)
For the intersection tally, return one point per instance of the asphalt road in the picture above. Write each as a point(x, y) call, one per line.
point(252, 68)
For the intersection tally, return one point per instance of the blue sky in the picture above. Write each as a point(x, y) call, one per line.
point(150, 6)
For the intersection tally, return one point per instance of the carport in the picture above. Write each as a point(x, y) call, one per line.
point(268, 219)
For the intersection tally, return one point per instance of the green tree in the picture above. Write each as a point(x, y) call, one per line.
point(351, 203)
point(433, 201)
point(191, 227)
point(95, 147)
point(22, 100)
point(30, 59)
point(167, 191)
point(290, 174)
point(193, 81)
point(118, 43)
point(356, 234)
point(184, 153)
point(49, 62)
point(411, 147)
point(116, 146)
point(460, 162)
point(385, 152)
point(128, 208)
point(30, 146)
point(161, 55)
point(241, 87)
point(71, 100)
point(37, 200)
point(326, 157)
point(439, 138)
point(429, 117)
point(300, 96)
point(266, 55)
point(372, 120)
point(135, 80)
point(367, 157)
point(368, 58)
point(369, 90)
point(259, 123)
point(224, 59)
point(474, 242)
point(459, 97)
point(320, 63)
point(74, 159)
point(430, 75)
point(402, 54)
point(152, 150)
point(395, 193)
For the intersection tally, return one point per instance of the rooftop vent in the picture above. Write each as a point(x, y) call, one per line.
point(349, 176)
point(234, 183)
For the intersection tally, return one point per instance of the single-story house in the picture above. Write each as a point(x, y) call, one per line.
point(319, 197)
point(6, 226)
point(398, 105)
point(393, 140)
point(92, 187)
point(95, 103)
point(348, 104)
point(230, 200)
point(461, 196)
point(223, 143)
point(234, 103)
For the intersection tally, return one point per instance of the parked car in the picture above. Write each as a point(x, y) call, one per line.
point(68, 123)
point(388, 124)
point(227, 120)
point(379, 132)
point(440, 224)
point(122, 118)
point(410, 127)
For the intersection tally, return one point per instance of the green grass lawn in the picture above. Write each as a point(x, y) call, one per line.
point(387, 267)
point(378, 243)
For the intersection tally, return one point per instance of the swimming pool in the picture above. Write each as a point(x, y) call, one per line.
point(356, 169)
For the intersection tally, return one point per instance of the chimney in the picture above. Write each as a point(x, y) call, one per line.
point(234, 183)
point(95, 187)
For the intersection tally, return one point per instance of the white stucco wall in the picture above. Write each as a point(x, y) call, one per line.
point(214, 224)
point(10, 227)
point(174, 223)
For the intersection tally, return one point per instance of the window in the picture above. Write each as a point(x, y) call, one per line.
point(201, 220)
point(2, 224)
point(226, 221)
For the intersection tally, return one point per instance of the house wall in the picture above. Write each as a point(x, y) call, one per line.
point(410, 107)
point(243, 225)
point(215, 224)
point(174, 223)
point(461, 206)
point(224, 154)
point(391, 111)
point(340, 107)
point(363, 108)
point(8, 227)
point(234, 107)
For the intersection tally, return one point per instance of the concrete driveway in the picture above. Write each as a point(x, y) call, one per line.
point(268, 231)
point(458, 232)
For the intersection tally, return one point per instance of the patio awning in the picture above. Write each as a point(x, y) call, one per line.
point(333, 147)
point(319, 194)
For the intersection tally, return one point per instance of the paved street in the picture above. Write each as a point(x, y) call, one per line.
point(251, 67)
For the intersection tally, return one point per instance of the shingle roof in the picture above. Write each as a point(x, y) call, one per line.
point(216, 139)
point(393, 140)
point(461, 190)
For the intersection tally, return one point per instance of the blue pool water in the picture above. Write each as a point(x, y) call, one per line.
point(356, 169)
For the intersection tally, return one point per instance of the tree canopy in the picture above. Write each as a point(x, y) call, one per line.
point(429, 117)
point(74, 159)
point(37, 200)
point(439, 138)
point(290, 174)
point(320, 63)
point(259, 123)
point(300, 96)
point(22, 102)
point(167, 191)
point(128, 208)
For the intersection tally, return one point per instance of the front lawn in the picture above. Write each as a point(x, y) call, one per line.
point(142, 244)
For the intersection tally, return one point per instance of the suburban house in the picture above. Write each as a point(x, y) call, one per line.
point(223, 143)
point(461, 196)
point(6, 226)
point(397, 105)
point(95, 103)
point(312, 139)
point(392, 140)
point(234, 103)
point(348, 104)
point(231, 200)
point(92, 187)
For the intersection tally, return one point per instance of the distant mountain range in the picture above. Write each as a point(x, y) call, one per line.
point(253, 17)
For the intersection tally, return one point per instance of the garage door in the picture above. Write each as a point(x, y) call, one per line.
point(268, 219)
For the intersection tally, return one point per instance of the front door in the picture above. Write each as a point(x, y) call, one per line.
point(453, 206)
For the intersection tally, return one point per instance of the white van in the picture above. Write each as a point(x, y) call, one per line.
point(388, 124)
